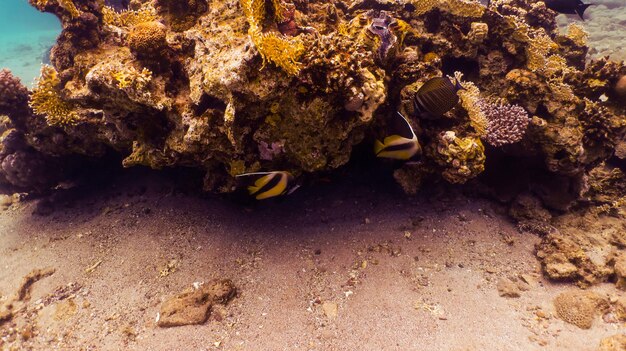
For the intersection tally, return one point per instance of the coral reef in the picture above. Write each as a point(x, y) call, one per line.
point(236, 86)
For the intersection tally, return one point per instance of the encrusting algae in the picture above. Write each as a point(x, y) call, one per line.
point(240, 86)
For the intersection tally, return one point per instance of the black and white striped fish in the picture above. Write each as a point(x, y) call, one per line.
point(265, 185)
point(436, 97)
point(401, 143)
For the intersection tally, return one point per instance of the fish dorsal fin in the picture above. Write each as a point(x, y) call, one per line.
point(251, 179)
point(253, 174)
point(400, 125)
point(580, 9)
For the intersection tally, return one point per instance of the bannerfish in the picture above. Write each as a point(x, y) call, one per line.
point(265, 185)
point(402, 142)
point(436, 97)
point(569, 7)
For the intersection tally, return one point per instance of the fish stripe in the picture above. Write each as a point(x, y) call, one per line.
point(273, 187)
point(404, 146)
point(436, 97)
point(264, 183)
point(400, 152)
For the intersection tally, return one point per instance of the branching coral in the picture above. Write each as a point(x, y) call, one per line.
point(471, 101)
point(129, 18)
point(507, 123)
point(282, 51)
point(46, 99)
point(460, 8)
point(577, 34)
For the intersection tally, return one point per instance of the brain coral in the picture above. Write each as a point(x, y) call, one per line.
point(147, 38)
point(579, 307)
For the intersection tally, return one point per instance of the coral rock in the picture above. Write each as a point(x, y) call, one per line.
point(192, 306)
point(620, 271)
point(613, 343)
point(620, 88)
point(13, 95)
point(579, 308)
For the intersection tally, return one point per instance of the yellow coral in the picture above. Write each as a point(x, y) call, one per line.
point(463, 8)
point(254, 10)
point(555, 65)
point(470, 98)
point(129, 18)
point(423, 6)
point(282, 51)
point(132, 79)
point(279, 10)
point(478, 32)
point(577, 34)
point(46, 99)
point(463, 158)
point(537, 51)
point(67, 5)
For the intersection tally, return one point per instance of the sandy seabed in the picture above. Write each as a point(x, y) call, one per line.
point(347, 266)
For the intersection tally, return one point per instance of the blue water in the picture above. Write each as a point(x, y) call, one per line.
point(25, 36)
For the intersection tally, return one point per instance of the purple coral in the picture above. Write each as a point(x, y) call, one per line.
point(268, 151)
point(506, 124)
point(13, 94)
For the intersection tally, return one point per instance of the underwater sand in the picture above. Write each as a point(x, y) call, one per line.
point(346, 266)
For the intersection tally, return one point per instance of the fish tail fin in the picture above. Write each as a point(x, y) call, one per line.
point(580, 10)
point(252, 189)
point(378, 147)
point(457, 85)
